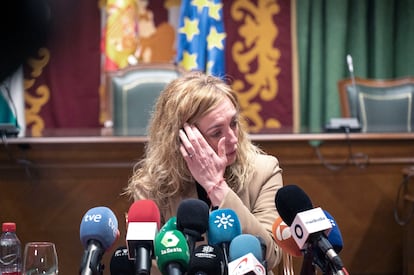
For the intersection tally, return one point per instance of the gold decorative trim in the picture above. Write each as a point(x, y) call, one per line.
point(258, 36)
point(34, 104)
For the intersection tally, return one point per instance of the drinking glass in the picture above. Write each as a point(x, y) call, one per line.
point(40, 258)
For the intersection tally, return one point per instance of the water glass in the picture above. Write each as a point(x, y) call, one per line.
point(40, 258)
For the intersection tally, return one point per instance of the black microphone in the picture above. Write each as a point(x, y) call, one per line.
point(308, 225)
point(192, 220)
point(120, 264)
point(207, 259)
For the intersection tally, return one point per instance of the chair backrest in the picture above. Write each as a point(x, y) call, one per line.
point(131, 95)
point(379, 105)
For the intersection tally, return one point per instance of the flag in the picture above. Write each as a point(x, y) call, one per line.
point(201, 37)
point(120, 33)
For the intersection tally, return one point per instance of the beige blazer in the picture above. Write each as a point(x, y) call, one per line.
point(254, 205)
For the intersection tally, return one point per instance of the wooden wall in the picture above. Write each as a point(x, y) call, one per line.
point(47, 185)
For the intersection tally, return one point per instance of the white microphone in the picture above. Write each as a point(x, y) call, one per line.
point(309, 226)
point(245, 256)
point(143, 226)
point(350, 64)
point(307, 223)
point(246, 265)
point(353, 80)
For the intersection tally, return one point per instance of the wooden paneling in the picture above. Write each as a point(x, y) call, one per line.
point(47, 184)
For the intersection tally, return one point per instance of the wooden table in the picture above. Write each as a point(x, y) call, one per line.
point(48, 183)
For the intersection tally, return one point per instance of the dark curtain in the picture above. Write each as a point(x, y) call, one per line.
point(62, 80)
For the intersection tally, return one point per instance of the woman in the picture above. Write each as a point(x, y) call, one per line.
point(198, 148)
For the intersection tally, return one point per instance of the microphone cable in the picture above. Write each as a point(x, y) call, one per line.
point(360, 160)
point(24, 162)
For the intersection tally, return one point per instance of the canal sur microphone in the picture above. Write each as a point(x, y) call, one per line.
point(143, 226)
point(223, 227)
point(98, 232)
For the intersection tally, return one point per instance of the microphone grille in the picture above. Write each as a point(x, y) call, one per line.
point(192, 214)
point(244, 244)
point(144, 211)
point(350, 63)
point(289, 201)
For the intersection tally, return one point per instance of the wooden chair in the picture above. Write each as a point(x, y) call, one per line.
point(379, 105)
point(131, 94)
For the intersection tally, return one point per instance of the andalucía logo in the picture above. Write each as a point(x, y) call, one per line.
point(225, 220)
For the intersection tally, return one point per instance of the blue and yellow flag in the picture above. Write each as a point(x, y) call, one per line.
point(201, 36)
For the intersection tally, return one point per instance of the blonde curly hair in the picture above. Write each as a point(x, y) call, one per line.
point(163, 173)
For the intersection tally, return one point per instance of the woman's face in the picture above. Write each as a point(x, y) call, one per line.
point(221, 122)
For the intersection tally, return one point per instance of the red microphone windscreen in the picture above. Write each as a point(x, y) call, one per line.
point(144, 211)
point(283, 238)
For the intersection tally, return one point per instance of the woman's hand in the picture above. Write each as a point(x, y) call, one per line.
point(206, 165)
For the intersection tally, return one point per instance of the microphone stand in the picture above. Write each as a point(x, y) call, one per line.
point(91, 260)
point(327, 266)
point(142, 260)
point(307, 265)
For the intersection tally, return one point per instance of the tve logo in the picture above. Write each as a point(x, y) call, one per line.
point(92, 217)
point(113, 224)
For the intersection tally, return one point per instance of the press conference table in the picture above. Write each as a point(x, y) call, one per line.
point(47, 184)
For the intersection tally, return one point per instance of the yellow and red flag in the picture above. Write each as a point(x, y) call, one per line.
point(120, 33)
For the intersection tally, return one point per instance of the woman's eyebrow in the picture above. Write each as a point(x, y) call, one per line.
point(221, 123)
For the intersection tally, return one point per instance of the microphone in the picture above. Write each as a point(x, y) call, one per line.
point(224, 226)
point(335, 236)
point(353, 80)
point(283, 238)
point(309, 225)
point(98, 232)
point(246, 255)
point(143, 225)
point(263, 245)
point(171, 252)
point(350, 64)
point(120, 264)
point(192, 220)
point(207, 259)
point(171, 224)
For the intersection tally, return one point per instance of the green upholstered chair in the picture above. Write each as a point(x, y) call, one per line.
point(379, 105)
point(131, 94)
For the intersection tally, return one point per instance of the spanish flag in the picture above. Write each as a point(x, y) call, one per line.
point(120, 34)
